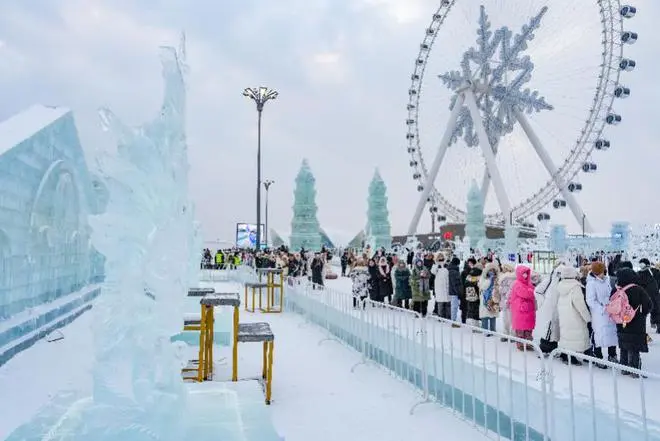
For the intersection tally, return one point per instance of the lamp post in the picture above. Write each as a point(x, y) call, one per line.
point(267, 184)
point(259, 96)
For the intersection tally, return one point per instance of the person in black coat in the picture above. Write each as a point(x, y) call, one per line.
point(455, 286)
point(317, 270)
point(385, 288)
point(374, 278)
point(466, 271)
point(648, 281)
point(409, 258)
point(344, 263)
point(632, 337)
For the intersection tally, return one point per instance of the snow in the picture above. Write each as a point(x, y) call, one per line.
point(23, 125)
point(30, 379)
point(315, 394)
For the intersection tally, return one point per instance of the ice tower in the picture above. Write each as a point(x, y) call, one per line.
point(475, 228)
point(305, 230)
point(378, 224)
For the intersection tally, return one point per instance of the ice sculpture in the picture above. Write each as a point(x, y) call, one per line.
point(305, 230)
point(558, 242)
point(378, 224)
point(511, 241)
point(475, 227)
point(620, 237)
point(146, 235)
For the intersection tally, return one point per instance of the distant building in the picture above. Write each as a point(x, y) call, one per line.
point(451, 231)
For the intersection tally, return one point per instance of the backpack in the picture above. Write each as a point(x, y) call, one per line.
point(619, 308)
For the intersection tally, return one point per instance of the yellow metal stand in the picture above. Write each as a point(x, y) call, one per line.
point(269, 349)
point(253, 333)
point(204, 368)
point(271, 286)
point(234, 349)
point(205, 326)
point(254, 287)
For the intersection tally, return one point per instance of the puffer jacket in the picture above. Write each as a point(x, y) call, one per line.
point(491, 308)
point(521, 301)
point(441, 284)
point(573, 316)
point(598, 296)
point(420, 284)
point(505, 281)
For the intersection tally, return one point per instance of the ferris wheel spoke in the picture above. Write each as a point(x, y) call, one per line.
point(489, 156)
point(437, 162)
point(485, 181)
point(553, 171)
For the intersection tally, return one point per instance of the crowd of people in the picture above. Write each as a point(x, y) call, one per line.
point(296, 264)
point(599, 308)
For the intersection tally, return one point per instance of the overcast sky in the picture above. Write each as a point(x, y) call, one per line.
point(342, 68)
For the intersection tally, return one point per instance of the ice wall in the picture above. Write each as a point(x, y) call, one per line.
point(46, 195)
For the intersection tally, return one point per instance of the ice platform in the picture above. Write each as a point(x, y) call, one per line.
point(231, 411)
point(214, 412)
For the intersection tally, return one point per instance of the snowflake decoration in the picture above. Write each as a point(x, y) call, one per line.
point(503, 96)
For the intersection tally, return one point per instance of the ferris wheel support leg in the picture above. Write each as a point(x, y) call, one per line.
point(552, 170)
point(489, 156)
point(435, 167)
point(485, 182)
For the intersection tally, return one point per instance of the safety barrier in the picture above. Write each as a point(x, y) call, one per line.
point(241, 273)
point(482, 376)
point(577, 393)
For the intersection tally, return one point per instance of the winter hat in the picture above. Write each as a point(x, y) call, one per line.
point(508, 268)
point(568, 272)
point(598, 268)
point(626, 276)
point(456, 261)
point(625, 264)
point(644, 262)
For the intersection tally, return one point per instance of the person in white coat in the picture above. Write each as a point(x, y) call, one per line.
point(505, 281)
point(604, 329)
point(573, 315)
point(441, 288)
point(546, 331)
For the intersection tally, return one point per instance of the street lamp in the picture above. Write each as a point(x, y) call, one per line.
point(259, 96)
point(267, 184)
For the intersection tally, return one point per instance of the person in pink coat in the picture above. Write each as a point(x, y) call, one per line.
point(523, 305)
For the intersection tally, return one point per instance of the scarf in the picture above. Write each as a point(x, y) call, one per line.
point(488, 293)
point(384, 270)
point(423, 281)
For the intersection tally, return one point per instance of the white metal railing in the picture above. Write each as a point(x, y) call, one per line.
point(581, 390)
point(483, 377)
point(241, 273)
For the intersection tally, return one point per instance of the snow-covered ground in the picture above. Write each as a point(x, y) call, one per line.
point(315, 395)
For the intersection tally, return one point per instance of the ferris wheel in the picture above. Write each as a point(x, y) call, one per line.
point(522, 94)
